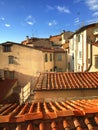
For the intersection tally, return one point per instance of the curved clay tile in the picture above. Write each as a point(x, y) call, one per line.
point(38, 107)
point(46, 108)
point(66, 125)
point(60, 106)
point(54, 126)
point(31, 108)
point(18, 127)
point(77, 124)
point(30, 126)
point(53, 107)
point(41, 126)
point(96, 119)
point(88, 124)
point(23, 109)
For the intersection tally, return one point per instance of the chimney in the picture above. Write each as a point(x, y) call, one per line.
point(27, 39)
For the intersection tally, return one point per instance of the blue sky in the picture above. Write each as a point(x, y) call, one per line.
point(42, 18)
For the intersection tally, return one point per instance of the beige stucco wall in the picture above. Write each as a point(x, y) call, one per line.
point(28, 63)
point(55, 62)
point(64, 94)
point(49, 64)
point(61, 64)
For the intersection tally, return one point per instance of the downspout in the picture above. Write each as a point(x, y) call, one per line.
point(90, 58)
point(54, 60)
point(82, 53)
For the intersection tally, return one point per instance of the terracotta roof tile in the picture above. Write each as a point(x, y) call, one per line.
point(33, 110)
point(63, 80)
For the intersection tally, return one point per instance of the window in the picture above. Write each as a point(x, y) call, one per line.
point(72, 45)
point(50, 57)
point(55, 68)
point(9, 74)
point(96, 62)
point(59, 69)
point(46, 58)
point(80, 54)
point(60, 57)
point(68, 65)
point(6, 74)
point(72, 56)
point(78, 38)
point(11, 59)
point(7, 48)
point(1, 74)
point(50, 70)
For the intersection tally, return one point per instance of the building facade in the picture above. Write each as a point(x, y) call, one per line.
point(80, 44)
point(25, 63)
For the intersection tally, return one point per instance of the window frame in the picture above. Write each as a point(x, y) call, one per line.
point(51, 57)
point(60, 57)
point(7, 48)
point(96, 62)
point(11, 59)
point(46, 57)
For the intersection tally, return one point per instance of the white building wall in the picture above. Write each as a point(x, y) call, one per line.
point(75, 52)
point(79, 45)
point(71, 54)
point(63, 39)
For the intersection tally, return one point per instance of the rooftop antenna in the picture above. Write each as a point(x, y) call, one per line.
point(32, 33)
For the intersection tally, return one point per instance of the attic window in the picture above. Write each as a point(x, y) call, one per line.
point(7, 48)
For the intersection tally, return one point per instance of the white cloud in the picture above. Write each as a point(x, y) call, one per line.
point(90, 21)
point(29, 17)
point(2, 18)
point(95, 14)
point(7, 25)
point(76, 21)
point(92, 4)
point(63, 9)
point(30, 20)
point(52, 23)
point(30, 23)
point(50, 7)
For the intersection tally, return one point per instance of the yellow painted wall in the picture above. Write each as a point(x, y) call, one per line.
point(28, 63)
point(94, 53)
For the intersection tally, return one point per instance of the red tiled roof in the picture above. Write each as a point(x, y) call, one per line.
point(64, 80)
point(95, 44)
point(5, 86)
point(66, 45)
point(57, 115)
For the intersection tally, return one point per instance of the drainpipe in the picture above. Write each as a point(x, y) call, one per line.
point(90, 57)
point(82, 53)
